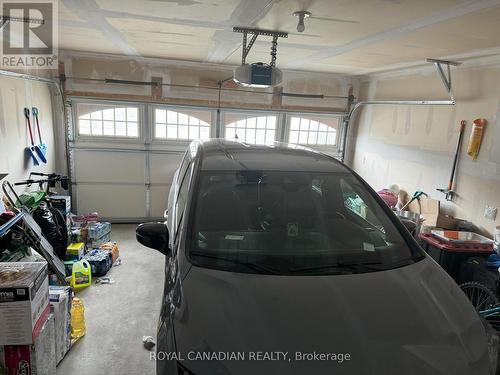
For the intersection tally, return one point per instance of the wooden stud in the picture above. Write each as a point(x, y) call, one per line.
point(157, 89)
point(277, 101)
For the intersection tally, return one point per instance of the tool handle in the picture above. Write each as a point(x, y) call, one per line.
point(28, 123)
point(34, 111)
point(462, 126)
point(457, 154)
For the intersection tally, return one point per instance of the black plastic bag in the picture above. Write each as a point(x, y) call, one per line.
point(51, 230)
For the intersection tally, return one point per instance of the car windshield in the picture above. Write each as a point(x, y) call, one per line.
point(300, 223)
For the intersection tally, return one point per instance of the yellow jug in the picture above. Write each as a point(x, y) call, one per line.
point(81, 275)
point(77, 319)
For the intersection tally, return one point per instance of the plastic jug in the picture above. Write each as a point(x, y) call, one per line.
point(77, 319)
point(81, 275)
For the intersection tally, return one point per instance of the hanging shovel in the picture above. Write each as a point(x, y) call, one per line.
point(30, 150)
point(41, 146)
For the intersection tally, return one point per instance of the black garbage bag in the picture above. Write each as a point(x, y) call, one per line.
point(60, 220)
point(51, 230)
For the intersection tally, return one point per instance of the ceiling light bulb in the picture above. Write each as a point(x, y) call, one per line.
point(301, 15)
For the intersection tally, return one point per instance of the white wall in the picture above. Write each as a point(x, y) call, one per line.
point(15, 94)
point(413, 146)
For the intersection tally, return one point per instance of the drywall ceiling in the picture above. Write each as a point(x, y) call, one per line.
point(343, 36)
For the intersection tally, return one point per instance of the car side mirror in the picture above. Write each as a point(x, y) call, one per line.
point(153, 235)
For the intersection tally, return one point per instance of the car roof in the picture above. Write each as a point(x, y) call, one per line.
point(223, 154)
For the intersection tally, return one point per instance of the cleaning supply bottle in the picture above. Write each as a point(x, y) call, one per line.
point(77, 319)
point(476, 137)
point(81, 275)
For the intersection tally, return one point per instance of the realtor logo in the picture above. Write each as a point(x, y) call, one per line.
point(29, 34)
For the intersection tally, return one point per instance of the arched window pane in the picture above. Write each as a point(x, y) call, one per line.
point(103, 120)
point(250, 128)
point(108, 114)
point(320, 131)
point(182, 124)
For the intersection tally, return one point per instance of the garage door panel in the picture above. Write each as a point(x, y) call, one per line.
point(105, 166)
point(159, 200)
point(163, 167)
point(112, 200)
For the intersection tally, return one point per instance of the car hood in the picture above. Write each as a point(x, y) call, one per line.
point(410, 320)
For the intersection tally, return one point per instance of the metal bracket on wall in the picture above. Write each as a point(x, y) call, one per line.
point(445, 76)
point(247, 45)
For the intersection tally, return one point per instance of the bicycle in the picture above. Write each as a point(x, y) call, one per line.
point(484, 301)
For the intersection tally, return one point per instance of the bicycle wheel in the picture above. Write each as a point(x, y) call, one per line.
point(483, 299)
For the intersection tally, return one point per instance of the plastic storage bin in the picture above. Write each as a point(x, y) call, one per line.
point(451, 255)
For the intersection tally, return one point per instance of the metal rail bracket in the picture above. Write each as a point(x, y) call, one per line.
point(445, 76)
point(248, 44)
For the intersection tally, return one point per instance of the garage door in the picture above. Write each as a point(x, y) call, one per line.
point(124, 155)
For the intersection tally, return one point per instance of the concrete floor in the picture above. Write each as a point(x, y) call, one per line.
point(119, 314)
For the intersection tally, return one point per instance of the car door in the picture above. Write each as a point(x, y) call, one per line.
point(178, 197)
point(177, 207)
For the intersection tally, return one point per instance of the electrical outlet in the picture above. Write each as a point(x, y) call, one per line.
point(490, 212)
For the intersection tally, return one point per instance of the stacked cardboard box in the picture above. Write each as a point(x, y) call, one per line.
point(60, 306)
point(24, 301)
point(36, 359)
point(26, 325)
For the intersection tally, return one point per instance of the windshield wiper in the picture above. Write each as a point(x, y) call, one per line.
point(253, 266)
point(357, 266)
point(354, 266)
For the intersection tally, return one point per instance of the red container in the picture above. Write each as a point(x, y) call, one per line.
point(451, 255)
point(462, 247)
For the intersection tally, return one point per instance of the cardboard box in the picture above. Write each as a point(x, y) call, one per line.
point(75, 251)
point(24, 301)
point(61, 202)
point(60, 306)
point(430, 211)
point(36, 359)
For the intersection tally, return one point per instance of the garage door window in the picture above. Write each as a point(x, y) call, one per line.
point(251, 129)
point(98, 120)
point(313, 131)
point(182, 125)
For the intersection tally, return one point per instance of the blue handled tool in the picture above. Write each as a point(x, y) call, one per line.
point(41, 146)
point(30, 150)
